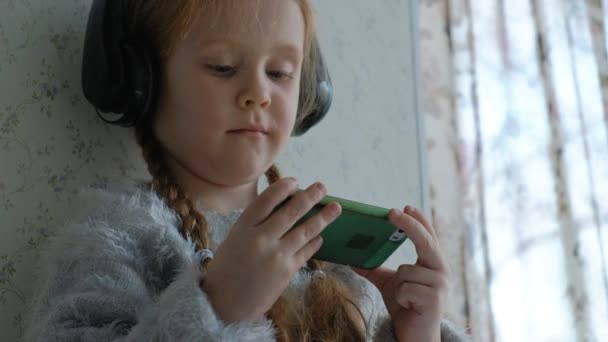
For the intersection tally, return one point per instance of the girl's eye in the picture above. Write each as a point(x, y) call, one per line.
point(229, 70)
point(222, 70)
point(279, 75)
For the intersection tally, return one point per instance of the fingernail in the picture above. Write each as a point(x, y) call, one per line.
point(408, 209)
point(320, 186)
point(396, 211)
point(334, 208)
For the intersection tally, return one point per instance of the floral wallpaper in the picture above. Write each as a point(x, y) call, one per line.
point(49, 141)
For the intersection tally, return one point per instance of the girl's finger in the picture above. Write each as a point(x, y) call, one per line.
point(266, 202)
point(283, 220)
point(306, 252)
point(426, 246)
point(417, 274)
point(301, 235)
point(417, 297)
point(418, 215)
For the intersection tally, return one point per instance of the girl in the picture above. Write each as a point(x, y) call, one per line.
point(198, 254)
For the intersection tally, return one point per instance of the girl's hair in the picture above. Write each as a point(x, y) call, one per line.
point(329, 312)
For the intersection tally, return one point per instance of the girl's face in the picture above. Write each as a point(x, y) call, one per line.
point(237, 69)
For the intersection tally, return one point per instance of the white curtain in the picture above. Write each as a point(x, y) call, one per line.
point(516, 94)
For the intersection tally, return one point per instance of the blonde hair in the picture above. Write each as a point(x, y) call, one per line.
point(330, 312)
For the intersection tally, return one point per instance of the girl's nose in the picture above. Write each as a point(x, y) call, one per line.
point(255, 92)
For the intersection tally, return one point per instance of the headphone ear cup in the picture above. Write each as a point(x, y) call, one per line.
point(119, 73)
point(142, 83)
point(323, 93)
point(103, 79)
point(323, 103)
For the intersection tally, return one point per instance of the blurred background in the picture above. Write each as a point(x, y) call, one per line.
point(516, 100)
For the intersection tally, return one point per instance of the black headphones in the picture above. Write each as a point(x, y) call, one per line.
point(120, 74)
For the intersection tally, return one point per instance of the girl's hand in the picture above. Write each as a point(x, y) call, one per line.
point(414, 294)
point(255, 263)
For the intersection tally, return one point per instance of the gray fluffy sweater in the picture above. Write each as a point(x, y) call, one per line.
point(118, 270)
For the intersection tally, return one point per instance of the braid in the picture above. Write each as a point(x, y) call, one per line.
point(193, 223)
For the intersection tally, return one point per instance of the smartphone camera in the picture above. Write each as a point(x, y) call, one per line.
point(398, 235)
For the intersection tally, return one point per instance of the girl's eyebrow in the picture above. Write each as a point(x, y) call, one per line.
point(293, 50)
point(289, 49)
point(207, 43)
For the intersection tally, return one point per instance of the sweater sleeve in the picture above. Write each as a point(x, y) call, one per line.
point(99, 287)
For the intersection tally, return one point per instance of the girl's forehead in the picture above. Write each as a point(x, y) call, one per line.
point(249, 19)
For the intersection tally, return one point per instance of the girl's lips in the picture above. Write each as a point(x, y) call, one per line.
point(252, 127)
point(248, 132)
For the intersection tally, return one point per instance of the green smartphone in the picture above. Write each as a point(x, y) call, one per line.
point(362, 236)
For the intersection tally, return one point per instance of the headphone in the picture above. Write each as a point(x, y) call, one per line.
point(121, 73)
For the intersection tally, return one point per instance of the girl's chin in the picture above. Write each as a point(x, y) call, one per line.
point(237, 174)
